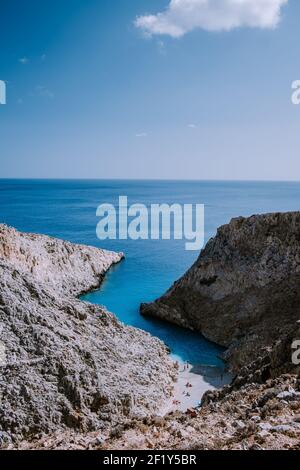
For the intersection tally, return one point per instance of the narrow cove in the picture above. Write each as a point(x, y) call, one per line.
point(200, 365)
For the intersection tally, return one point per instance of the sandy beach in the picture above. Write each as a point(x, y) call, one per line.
point(193, 381)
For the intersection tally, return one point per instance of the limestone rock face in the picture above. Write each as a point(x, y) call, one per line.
point(63, 266)
point(243, 292)
point(67, 364)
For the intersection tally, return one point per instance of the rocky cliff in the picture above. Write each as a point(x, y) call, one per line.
point(67, 364)
point(255, 417)
point(243, 292)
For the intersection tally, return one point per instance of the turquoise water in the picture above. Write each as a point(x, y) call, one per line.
point(67, 209)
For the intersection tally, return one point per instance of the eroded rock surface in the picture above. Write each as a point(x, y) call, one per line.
point(243, 292)
point(255, 417)
point(67, 364)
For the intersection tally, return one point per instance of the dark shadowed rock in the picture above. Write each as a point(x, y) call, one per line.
point(243, 292)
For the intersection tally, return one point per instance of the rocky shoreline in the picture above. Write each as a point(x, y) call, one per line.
point(242, 292)
point(67, 364)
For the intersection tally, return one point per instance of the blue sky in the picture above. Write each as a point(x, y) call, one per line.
point(92, 95)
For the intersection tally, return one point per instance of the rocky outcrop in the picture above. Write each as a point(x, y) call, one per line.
point(243, 293)
point(67, 364)
point(65, 267)
point(255, 417)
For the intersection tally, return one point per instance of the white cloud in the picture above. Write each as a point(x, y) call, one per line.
point(24, 60)
point(182, 16)
point(192, 126)
point(142, 134)
point(45, 92)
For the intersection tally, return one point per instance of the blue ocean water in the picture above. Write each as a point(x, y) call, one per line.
point(67, 209)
